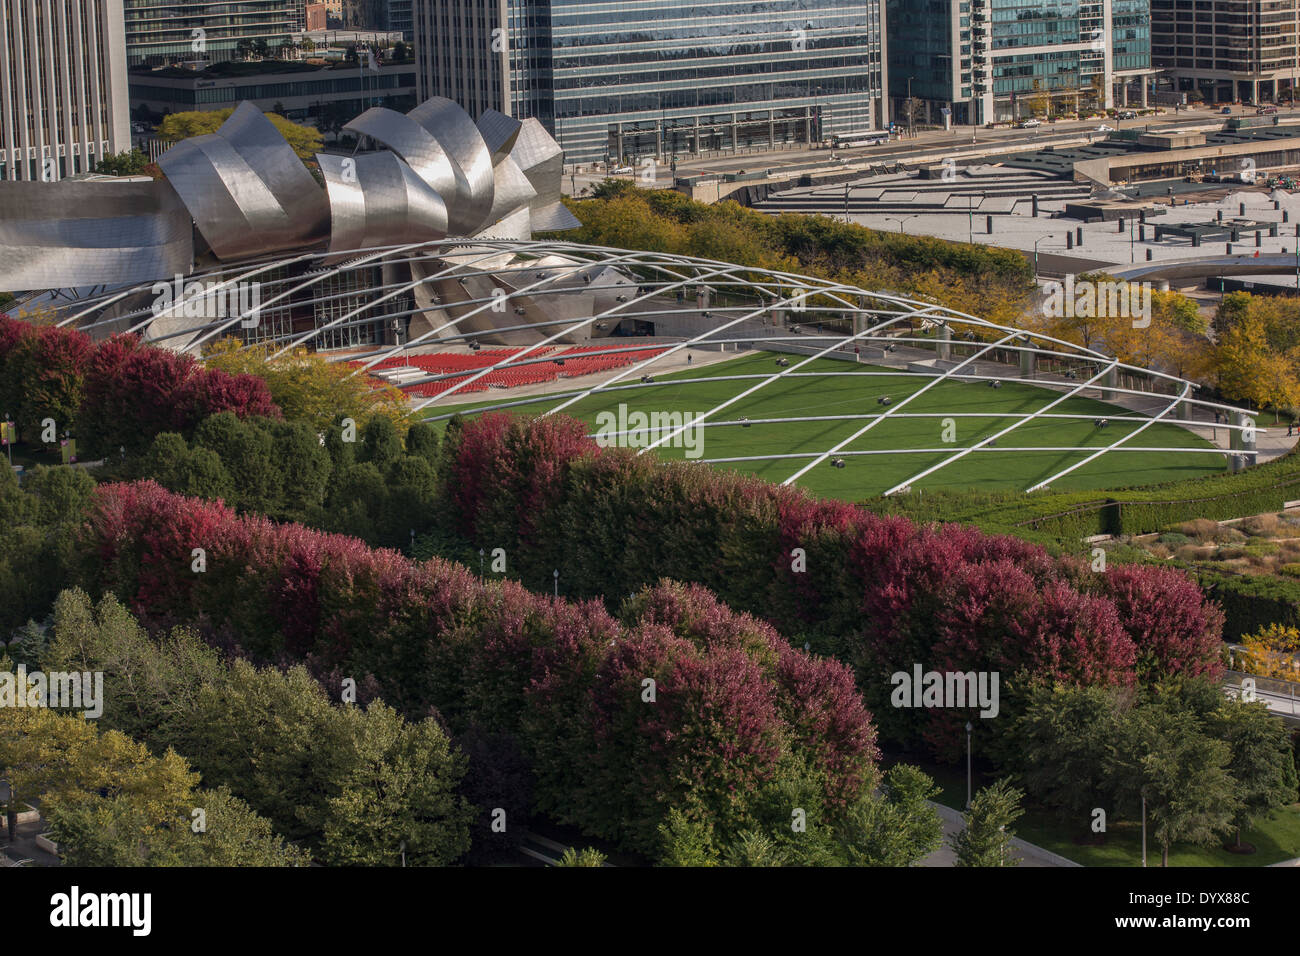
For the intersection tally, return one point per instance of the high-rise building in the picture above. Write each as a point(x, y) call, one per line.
point(995, 60)
point(63, 95)
point(162, 33)
point(1228, 49)
point(632, 80)
point(400, 17)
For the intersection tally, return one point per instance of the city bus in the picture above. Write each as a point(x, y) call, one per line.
point(851, 140)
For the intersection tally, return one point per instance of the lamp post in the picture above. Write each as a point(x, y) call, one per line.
point(1144, 828)
point(900, 220)
point(969, 728)
point(556, 575)
point(1036, 242)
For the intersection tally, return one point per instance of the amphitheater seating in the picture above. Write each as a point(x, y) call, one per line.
point(571, 362)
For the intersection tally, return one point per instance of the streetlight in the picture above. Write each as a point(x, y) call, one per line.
point(556, 575)
point(900, 220)
point(1036, 242)
point(1144, 828)
point(969, 728)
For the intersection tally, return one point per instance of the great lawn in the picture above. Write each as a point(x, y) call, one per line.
point(855, 390)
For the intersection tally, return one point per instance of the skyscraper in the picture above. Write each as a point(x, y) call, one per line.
point(161, 33)
point(989, 60)
point(1228, 49)
point(63, 96)
point(629, 80)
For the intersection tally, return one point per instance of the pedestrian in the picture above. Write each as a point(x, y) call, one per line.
point(688, 358)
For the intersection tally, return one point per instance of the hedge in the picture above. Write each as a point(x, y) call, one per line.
point(1252, 601)
point(1075, 515)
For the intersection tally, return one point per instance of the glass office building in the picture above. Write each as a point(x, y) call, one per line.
point(622, 79)
point(161, 33)
point(996, 60)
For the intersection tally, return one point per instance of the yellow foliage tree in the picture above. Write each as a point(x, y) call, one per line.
point(63, 759)
point(310, 388)
point(1273, 651)
point(305, 140)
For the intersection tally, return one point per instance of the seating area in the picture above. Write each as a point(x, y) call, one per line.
point(570, 362)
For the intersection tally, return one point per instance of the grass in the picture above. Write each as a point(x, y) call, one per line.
point(1276, 838)
point(856, 393)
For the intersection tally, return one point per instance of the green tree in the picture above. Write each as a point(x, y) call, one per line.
point(895, 828)
point(151, 684)
point(1262, 764)
point(116, 832)
point(587, 857)
point(131, 162)
point(187, 471)
point(1062, 746)
point(380, 442)
point(985, 839)
point(249, 455)
point(687, 841)
point(1163, 754)
point(422, 441)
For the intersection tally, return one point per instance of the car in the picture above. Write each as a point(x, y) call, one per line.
point(1265, 110)
point(622, 170)
point(1103, 128)
point(1029, 123)
point(1128, 114)
point(1226, 111)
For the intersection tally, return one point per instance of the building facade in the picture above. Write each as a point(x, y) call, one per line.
point(158, 33)
point(996, 60)
point(324, 97)
point(63, 92)
point(1228, 49)
point(664, 78)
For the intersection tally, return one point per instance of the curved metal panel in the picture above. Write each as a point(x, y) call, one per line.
point(69, 234)
point(270, 155)
point(542, 161)
point(511, 190)
point(231, 206)
point(499, 131)
point(451, 126)
point(411, 141)
point(554, 218)
point(246, 189)
point(377, 200)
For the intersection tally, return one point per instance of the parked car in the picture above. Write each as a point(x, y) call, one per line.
point(1029, 123)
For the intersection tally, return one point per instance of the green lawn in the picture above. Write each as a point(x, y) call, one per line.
point(856, 393)
point(1276, 838)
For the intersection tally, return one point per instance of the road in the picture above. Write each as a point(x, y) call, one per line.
point(901, 150)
